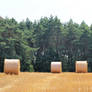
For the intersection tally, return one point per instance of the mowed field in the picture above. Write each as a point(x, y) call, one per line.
point(46, 82)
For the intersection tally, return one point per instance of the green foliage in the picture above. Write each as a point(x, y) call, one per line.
point(14, 44)
point(39, 43)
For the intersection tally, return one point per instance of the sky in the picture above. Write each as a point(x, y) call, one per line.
point(78, 10)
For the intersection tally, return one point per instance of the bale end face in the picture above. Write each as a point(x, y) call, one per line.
point(12, 66)
point(81, 66)
point(56, 67)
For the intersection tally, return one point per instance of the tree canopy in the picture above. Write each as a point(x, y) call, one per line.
point(39, 43)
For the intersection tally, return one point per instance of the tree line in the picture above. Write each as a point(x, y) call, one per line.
point(39, 43)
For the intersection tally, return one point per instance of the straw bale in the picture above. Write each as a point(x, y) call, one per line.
point(12, 66)
point(56, 67)
point(81, 66)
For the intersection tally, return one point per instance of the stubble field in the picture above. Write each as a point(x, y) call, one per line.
point(46, 82)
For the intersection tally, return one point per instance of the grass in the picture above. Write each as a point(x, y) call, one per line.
point(46, 82)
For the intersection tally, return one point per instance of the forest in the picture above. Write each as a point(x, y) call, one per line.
point(39, 43)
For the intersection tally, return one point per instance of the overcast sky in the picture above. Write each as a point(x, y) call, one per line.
point(77, 10)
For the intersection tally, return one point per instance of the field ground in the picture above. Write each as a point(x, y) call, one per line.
point(46, 82)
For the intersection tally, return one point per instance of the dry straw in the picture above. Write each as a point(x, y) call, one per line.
point(12, 66)
point(81, 66)
point(56, 67)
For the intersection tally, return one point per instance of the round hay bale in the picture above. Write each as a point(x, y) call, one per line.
point(81, 66)
point(56, 67)
point(12, 66)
